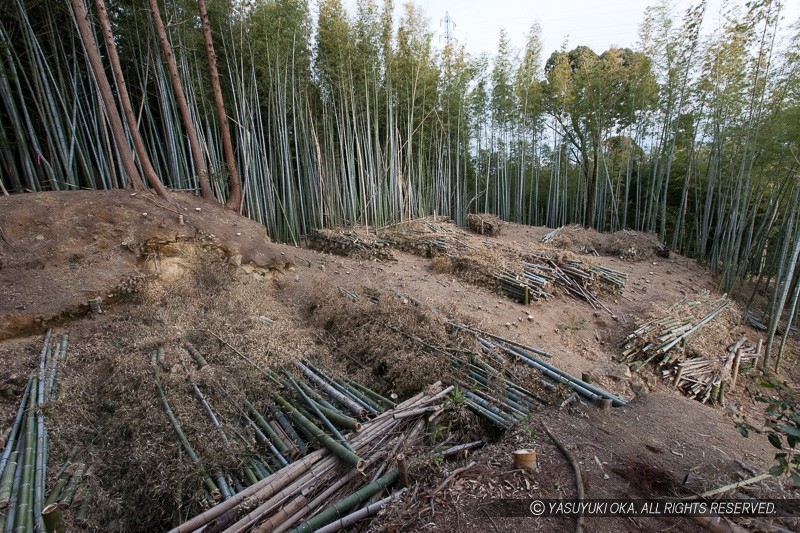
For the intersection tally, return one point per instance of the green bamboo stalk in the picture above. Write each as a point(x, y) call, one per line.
point(337, 449)
point(375, 396)
point(68, 494)
point(16, 427)
point(345, 400)
point(358, 395)
point(318, 413)
point(287, 427)
point(52, 522)
point(197, 356)
point(179, 431)
point(273, 437)
point(24, 518)
point(7, 480)
point(339, 508)
point(61, 481)
point(206, 406)
point(7, 519)
point(59, 368)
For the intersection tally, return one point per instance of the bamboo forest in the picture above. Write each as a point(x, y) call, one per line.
point(307, 115)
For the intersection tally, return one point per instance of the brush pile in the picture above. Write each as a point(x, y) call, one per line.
point(353, 242)
point(572, 276)
point(664, 343)
point(430, 237)
point(484, 224)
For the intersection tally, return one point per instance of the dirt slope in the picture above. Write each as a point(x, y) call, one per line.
point(172, 272)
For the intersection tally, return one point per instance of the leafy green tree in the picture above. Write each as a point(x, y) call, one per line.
point(590, 97)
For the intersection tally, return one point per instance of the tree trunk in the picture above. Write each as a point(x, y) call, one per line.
point(112, 113)
point(116, 68)
point(183, 105)
point(235, 190)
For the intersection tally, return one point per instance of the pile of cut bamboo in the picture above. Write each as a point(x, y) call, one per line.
point(540, 272)
point(708, 381)
point(352, 243)
point(321, 492)
point(662, 342)
point(655, 340)
point(23, 465)
point(484, 224)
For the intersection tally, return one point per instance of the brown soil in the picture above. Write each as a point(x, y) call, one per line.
point(169, 273)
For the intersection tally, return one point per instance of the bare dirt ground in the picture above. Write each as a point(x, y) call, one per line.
point(175, 272)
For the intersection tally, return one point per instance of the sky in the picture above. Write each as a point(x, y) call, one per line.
point(598, 24)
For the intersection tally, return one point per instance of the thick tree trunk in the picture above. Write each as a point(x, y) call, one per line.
point(116, 68)
point(112, 113)
point(235, 190)
point(183, 105)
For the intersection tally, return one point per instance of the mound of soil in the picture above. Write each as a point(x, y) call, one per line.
point(60, 249)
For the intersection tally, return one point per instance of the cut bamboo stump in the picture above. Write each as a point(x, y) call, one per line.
point(525, 459)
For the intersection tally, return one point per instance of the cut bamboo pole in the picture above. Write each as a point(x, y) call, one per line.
point(402, 468)
point(212, 487)
point(52, 520)
point(346, 401)
point(66, 496)
point(364, 512)
point(16, 427)
point(24, 520)
point(7, 480)
point(197, 356)
point(261, 491)
point(331, 513)
point(340, 451)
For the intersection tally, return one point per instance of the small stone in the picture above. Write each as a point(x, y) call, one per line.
point(40, 237)
point(239, 233)
point(530, 318)
point(197, 209)
point(144, 214)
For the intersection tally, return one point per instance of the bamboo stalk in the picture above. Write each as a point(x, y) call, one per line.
point(260, 491)
point(24, 519)
point(66, 496)
point(7, 480)
point(318, 413)
point(336, 510)
point(364, 512)
point(287, 517)
point(179, 431)
point(197, 356)
point(52, 520)
point(16, 427)
point(340, 451)
point(346, 401)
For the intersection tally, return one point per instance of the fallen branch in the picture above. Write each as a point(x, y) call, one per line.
point(576, 469)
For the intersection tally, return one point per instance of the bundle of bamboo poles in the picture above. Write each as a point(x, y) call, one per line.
point(655, 340)
point(352, 243)
point(484, 224)
point(700, 378)
point(23, 465)
point(320, 489)
point(492, 395)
